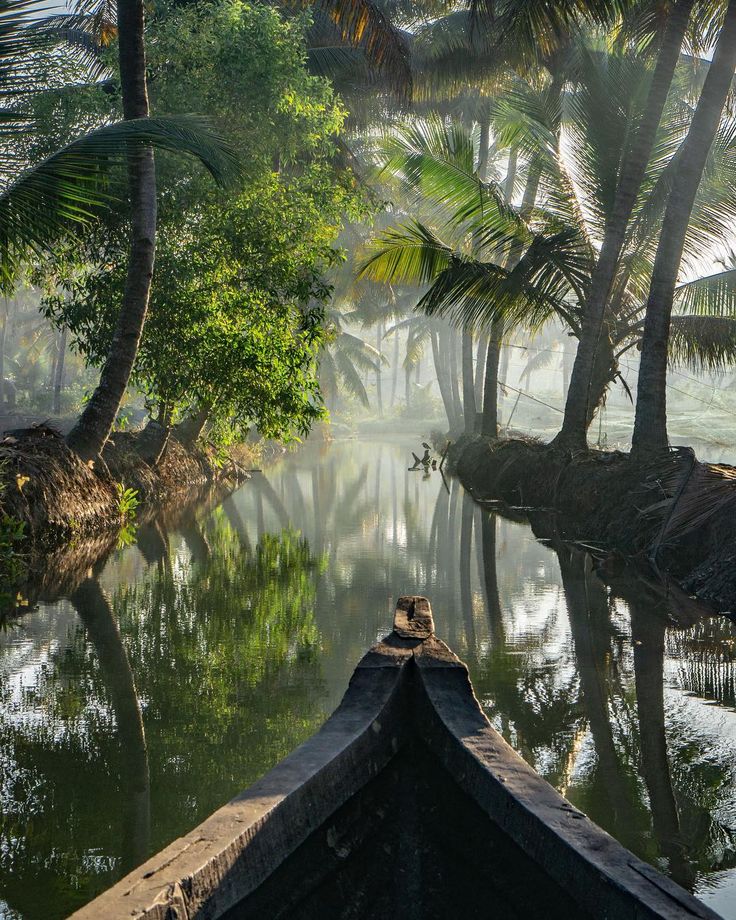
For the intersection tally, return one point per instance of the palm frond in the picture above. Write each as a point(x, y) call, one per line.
point(712, 295)
point(703, 343)
point(363, 25)
point(407, 254)
point(451, 53)
point(436, 160)
point(350, 378)
point(361, 353)
point(538, 29)
point(69, 188)
point(475, 294)
point(337, 62)
point(539, 361)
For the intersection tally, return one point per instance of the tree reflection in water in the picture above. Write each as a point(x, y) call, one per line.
point(216, 654)
point(199, 658)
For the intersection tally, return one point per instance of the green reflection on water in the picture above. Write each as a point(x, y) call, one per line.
point(161, 700)
point(197, 659)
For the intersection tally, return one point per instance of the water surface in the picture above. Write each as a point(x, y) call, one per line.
point(187, 665)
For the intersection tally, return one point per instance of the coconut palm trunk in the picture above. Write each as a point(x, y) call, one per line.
point(650, 424)
point(93, 428)
point(379, 372)
point(578, 414)
point(489, 422)
point(59, 371)
point(480, 363)
point(3, 340)
point(470, 411)
point(490, 393)
point(442, 380)
point(452, 346)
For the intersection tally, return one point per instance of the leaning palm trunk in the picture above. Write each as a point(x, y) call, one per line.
point(650, 425)
point(93, 428)
point(578, 414)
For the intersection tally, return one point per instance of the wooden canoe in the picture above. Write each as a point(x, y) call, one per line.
point(406, 804)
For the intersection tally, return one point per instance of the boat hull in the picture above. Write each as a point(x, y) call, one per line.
point(407, 803)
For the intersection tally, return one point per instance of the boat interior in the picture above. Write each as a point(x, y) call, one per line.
point(409, 844)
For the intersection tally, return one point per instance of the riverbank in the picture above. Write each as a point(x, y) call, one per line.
point(58, 498)
point(677, 513)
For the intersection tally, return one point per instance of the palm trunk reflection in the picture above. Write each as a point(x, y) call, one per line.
point(95, 612)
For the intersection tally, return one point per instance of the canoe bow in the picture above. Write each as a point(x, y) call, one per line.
point(408, 688)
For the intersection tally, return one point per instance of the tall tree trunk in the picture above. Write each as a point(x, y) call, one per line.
point(510, 180)
point(452, 346)
point(442, 380)
point(490, 391)
point(534, 174)
point(650, 424)
point(480, 364)
point(489, 423)
point(469, 409)
point(577, 409)
point(568, 357)
point(59, 371)
point(52, 375)
point(379, 372)
point(503, 374)
point(93, 428)
point(3, 340)
point(395, 370)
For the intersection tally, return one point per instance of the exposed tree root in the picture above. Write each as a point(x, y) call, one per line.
point(61, 499)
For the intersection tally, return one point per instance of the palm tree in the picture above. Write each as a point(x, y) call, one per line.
point(633, 169)
point(650, 426)
point(49, 198)
point(438, 160)
point(93, 427)
point(345, 358)
point(553, 255)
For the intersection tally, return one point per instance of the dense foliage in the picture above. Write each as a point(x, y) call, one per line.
point(237, 300)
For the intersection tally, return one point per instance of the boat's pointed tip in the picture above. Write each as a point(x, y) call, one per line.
point(413, 617)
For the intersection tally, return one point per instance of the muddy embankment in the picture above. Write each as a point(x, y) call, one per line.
point(58, 572)
point(676, 515)
point(62, 500)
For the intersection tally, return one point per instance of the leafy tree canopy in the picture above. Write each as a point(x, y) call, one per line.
point(236, 304)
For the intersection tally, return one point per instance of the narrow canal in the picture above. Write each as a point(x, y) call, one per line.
point(159, 686)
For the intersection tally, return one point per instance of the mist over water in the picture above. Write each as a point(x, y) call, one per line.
point(198, 658)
